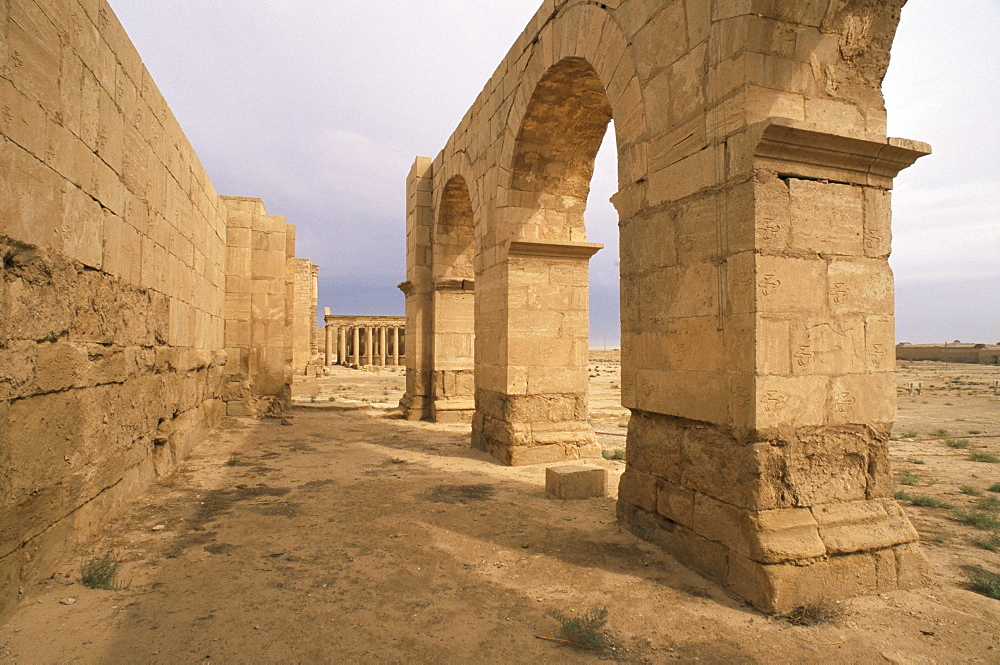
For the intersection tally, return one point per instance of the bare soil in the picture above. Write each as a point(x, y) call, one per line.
point(347, 535)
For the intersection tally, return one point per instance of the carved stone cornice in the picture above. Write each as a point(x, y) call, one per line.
point(453, 284)
point(806, 152)
point(553, 250)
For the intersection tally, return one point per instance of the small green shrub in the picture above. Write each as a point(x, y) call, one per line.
point(908, 435)
point(616, 454)
point(907, 477)
point(978, 519)
point(992, 543)
point(975, 431)
point(902, 495)
point(925, 501)
point(586, 631)
point(915, 460)
point(940, 432)
point(983, 456)
point(957, 443)
point(234, 460)
point(101, 572)
point(995, 487)
point(989, 503)
point(985, 582)
point(970, 490)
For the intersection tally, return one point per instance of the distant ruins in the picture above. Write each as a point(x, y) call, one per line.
point(137, 306)
point(955, 352)
point(363, 341)
point(757, 300)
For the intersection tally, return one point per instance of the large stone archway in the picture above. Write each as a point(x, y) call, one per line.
point(757, 300)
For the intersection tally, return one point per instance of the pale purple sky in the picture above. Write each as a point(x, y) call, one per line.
point(320, 107)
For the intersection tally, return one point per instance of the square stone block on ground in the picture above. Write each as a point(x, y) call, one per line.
point(576, 481)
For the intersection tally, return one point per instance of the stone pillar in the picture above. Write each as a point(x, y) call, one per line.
point(382, 339)
point(762, 460)
point(395, 346)
point(355, 345)
point(369, 346)
point(454, 384)
point(328, 348)
point(342, 345)
point(531, 382)
point(418, 289)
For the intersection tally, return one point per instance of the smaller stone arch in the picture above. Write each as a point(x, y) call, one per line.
point(453, 345)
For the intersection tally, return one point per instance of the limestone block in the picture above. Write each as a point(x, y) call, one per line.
point(863, 398)
point(774, 346)
point(860, 526)
point(30, 196)
point(785, 284)
point(683, 178)
point(782, 587)
point(783, 401)
point(784, 535)
point(912, 568)
point(880, 340)
point(722, 523)
point(822, 346)
point(878, 223)
point(860, 286)
point(654, 446)
point(846, 117)
point(82, 227)
point(661, 41)
point(826, 218)
point(675, 503)
point(34, 54)
point(638, 489)
point(576, 481)
point(696, 395)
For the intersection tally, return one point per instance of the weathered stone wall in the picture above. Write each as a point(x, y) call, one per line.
point(113, 283)
point(304, 331)
point(986, 354)
point(258, 371)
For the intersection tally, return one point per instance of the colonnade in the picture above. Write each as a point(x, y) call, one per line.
point(364, 341)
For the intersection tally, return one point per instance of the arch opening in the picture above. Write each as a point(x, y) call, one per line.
point(553, 160)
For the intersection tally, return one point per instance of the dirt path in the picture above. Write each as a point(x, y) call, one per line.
point(347, 536)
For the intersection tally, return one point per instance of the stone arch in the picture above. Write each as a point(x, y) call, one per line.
point(454, 228)
point(553, 157)
point(756, 296)
point(452, 388)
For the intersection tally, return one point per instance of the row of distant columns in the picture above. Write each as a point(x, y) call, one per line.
point(380, 345)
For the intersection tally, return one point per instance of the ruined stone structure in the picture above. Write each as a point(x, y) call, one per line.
point(305, 335)
point(956, 352)
point(757, 301)
point(135, 302)
point(362, 341)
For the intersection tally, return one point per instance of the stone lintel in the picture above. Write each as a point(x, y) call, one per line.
point(554, 250)
point(806, 152)
point(450, 284)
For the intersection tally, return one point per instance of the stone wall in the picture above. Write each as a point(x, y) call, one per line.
point(304, 331)
point(113, 283)
point(986, 354)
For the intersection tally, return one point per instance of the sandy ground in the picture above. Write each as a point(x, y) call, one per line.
point(348, 536)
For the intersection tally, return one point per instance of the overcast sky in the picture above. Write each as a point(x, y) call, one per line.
point(319, 107)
